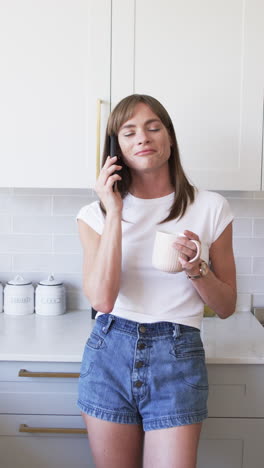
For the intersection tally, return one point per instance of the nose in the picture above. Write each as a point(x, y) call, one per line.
point(142, 137)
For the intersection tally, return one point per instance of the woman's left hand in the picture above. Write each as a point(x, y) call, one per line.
point(188, 251)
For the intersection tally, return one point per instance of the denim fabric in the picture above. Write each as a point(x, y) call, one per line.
point(152, 374)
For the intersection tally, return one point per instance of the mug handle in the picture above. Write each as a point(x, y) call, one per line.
point(198, 245)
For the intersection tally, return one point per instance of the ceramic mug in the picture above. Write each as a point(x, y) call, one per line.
point(165, 257)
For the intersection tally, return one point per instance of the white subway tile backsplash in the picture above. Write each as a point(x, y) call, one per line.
point(77, 300)
point(242, 227)
point(248, 247)
point(73, 282)
point(45, 225)
point(39, 236)
point(65, 205)
point(236, 194)
point(258, 227)
point(31, 205)
point(57, 263)
point(5, 203)
point(244, 208)
point(5, 223)
point(258, 265)
point(6, 262)
point(67, 244)
point(6, 190)
point(244, 302)
point(25, 243)
point(244, 284)
point(243, 265)
point(258, 300)
point(257, 283)
point(52, 191)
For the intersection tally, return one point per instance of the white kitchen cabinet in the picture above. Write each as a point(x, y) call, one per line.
point(232, 436)
point(55, 64)
point(231, 443)
point(44, 407)
point(204, 61)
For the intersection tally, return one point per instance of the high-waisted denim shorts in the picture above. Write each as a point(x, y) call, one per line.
point(152, 374)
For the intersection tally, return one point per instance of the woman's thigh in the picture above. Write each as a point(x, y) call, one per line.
point(114, 445)
point(175, 447)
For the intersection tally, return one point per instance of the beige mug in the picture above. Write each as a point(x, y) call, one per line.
point(165, 257)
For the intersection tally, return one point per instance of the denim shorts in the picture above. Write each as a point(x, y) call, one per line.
point(152, 374)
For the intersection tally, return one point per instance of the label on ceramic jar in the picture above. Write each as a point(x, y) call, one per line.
point(51, 300)
point(19, 299)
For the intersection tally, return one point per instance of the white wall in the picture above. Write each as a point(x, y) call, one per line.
point(38, 235)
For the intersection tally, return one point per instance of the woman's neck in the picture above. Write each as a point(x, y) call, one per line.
point(149, 186)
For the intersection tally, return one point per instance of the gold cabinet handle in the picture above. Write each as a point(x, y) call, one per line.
point(98, 136)
point(63, 375)
point(51, 430)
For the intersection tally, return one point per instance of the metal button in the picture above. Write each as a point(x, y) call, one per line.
point(139, 364)
point(138, 383)
point(141, 346)
point(142, 329)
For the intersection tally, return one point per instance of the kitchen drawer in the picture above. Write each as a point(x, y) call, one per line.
point(39, 397)
point(40, 449)
point(9, 370)
point(236, 390)
point(10, 425)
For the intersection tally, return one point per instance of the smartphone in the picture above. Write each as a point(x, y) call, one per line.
point(113, 146)
point(114, 151)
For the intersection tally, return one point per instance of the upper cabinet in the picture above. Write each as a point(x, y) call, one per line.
point(55, 64)
point(204, 61)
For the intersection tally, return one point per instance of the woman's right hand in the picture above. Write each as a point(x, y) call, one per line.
point(105, 186)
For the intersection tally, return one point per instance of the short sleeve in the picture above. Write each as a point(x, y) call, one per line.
point(224, 216)
point(93, 216)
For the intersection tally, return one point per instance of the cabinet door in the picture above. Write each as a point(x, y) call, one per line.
point(203, 61)
point(55, 64)
point(43, 449)
point(231, 443)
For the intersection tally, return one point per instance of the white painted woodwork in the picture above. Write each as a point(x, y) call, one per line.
point(55, 64)
point(23, 450)
point(204, 61)
point(231, 443)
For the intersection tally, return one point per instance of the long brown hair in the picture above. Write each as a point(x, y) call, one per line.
point(124, 110)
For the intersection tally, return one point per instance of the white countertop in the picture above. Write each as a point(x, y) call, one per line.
point(236, 340)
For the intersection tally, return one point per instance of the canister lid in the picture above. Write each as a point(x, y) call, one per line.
point(50, 282)
point(19, 281)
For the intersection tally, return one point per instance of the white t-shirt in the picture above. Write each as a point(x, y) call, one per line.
point(146, 294)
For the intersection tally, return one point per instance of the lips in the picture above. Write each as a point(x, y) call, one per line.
point(145, 151)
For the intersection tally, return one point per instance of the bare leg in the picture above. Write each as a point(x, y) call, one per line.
point(175, 447)
point(115, 445)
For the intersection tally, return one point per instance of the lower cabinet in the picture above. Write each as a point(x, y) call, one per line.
point(47, 449)
point(231, 443)
point(41, 426)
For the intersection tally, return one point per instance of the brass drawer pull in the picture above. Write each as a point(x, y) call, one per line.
point(51, 430)
point(63, 375)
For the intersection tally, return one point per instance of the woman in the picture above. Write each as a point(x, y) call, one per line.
point(143, 385)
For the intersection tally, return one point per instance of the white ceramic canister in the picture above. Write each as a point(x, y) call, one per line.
point(1, 298)
point(19, 297)
point(50, 297)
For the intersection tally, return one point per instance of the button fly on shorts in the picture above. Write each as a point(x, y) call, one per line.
point(139, 364)
point(141, 346)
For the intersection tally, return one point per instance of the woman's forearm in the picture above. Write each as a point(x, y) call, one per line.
point(104, 280)
point(219, 296)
